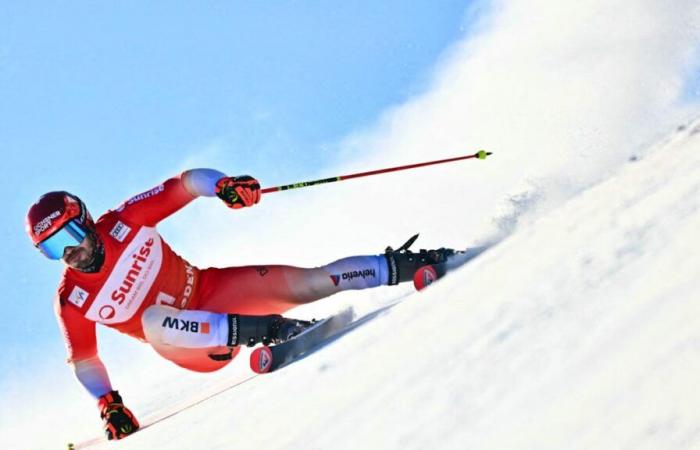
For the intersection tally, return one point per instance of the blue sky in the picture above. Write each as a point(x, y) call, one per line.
point(107, 98)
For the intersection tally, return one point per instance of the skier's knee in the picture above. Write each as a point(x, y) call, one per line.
point(152, 320)
point(182, 337)
point(184, 328)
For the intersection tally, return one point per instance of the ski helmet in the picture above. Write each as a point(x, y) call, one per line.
point(58, 220)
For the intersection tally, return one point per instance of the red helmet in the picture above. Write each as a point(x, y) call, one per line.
point(52, 212)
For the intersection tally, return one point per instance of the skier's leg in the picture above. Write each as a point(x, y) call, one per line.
point(185, 328)
point(205, 340)
point(200, 350)
point(276, 289)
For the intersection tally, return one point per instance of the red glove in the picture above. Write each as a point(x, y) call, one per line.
point(118, 421)
point(238, 192)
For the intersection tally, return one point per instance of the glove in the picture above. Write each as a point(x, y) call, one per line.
point(238, 192)
point(118, 421)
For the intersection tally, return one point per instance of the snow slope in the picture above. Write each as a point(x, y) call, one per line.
point(580, 330)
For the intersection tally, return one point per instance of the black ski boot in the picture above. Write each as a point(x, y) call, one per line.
point(272, 329)
point(284, 329)
point(403, 263)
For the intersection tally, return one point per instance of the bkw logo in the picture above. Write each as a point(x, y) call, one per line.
point(186, 325)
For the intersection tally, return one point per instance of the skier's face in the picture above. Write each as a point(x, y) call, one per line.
point(81, 256)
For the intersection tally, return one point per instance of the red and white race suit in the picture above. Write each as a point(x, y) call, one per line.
point(140, 270)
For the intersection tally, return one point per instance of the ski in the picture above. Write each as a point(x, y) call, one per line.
point(269, 358)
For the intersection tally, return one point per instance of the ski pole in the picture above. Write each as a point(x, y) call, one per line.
point(481, 154)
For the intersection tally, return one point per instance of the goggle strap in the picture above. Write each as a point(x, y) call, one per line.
point(76, 230)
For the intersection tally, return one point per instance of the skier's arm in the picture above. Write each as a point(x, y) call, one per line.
point(235, 192)
point(81, 343)
point(152, 206)
point(201, 182)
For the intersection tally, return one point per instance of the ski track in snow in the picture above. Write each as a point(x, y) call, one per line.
point(578, 331)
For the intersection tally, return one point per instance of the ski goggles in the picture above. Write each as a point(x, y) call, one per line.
point(72, 234)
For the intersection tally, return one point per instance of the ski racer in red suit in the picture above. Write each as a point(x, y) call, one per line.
point(122, 274)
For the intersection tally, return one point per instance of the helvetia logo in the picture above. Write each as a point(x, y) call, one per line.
point(186, 325)
point(348, 276)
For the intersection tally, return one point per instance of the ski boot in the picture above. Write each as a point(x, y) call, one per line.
point(272, 329)
point(423, 267)
point(284, 329)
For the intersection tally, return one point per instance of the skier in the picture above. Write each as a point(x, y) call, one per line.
point(121, 273)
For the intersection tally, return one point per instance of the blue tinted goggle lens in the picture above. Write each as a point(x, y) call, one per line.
point(70, 235)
